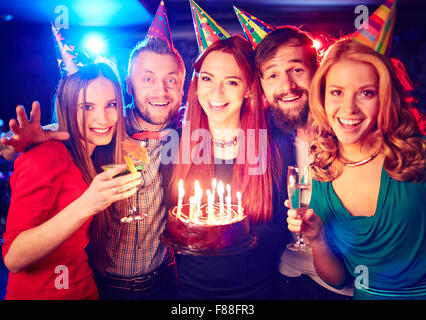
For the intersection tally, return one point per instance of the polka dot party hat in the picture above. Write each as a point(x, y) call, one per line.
point(254, 28)
point(69, 57)
point(160, 25)
point(207, 30)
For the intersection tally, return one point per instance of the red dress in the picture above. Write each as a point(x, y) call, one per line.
point(46, 180)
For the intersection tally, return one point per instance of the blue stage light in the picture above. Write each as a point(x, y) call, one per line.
point(97, 13)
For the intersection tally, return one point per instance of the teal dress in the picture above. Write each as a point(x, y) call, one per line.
point(385, 253)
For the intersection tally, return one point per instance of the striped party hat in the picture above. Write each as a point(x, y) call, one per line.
point(160, 25)
point(376, 33)
point(206, 29)
point(254, 28)
point(69, 57)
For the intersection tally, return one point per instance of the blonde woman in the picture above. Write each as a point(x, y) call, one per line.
point(368, 212)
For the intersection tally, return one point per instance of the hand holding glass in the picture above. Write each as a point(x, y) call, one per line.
point(299, 187)
point(133, 214)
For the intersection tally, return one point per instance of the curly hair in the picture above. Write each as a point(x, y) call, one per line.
point(396, 131)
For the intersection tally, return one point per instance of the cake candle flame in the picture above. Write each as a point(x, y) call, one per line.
point(220, 190)
point(211, 212)
point(191, 208)
point(198, 196)
point(210, 208)
point(239, 204)
point(228, 205)
point(181, 194)
point(214, 184)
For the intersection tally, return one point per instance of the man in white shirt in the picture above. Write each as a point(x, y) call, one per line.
point(286, 62)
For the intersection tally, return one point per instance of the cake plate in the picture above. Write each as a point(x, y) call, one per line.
point(240, 248)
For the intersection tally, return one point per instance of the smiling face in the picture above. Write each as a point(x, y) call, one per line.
point(156, 84)
point(351, 100)
point(285, 81)
point(222, 89)
point(99, 112)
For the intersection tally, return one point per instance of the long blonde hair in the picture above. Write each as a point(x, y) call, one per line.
point(396, 131)
point(66, 107)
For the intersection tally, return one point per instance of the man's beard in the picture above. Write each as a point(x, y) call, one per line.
point(288, 121)
point(148, 115)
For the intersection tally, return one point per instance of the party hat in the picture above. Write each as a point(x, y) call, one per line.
point(160, 25)
point(377, 32)
point(254, 28)
point(69, 58)
point(206, 29)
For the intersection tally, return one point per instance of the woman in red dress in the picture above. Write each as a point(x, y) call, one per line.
point(56, 190)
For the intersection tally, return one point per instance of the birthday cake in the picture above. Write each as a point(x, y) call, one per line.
point(206, 232)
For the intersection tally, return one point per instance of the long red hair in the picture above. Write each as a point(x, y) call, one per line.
point(256, 189)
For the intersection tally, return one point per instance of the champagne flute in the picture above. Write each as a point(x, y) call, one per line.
point(299, 186)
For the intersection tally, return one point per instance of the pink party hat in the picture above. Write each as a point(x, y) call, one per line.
point(254, 28)
point(377, 32)
point(160, 25)
point(69, 58)
point(206, 29)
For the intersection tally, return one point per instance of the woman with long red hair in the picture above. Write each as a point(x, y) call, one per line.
point(224, 101)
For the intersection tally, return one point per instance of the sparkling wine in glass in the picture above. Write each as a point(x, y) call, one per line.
point(299, 187)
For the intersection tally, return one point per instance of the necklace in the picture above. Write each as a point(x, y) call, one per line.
point(223, 144)
point(349, 163)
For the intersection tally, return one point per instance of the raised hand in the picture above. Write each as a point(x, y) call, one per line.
point(25, 133)
point(305, 221)
point(105, 189)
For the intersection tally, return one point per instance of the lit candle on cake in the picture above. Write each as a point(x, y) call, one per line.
point(220, 190)
point(239, 203)
point(211, 212)
point(210, 208)
point(181, 194)
point(198, 195)
point(228, 203)
point(191, 208)
point(214, 184)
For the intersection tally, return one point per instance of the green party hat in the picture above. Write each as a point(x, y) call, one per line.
point(254, 28)
point(206, 29)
